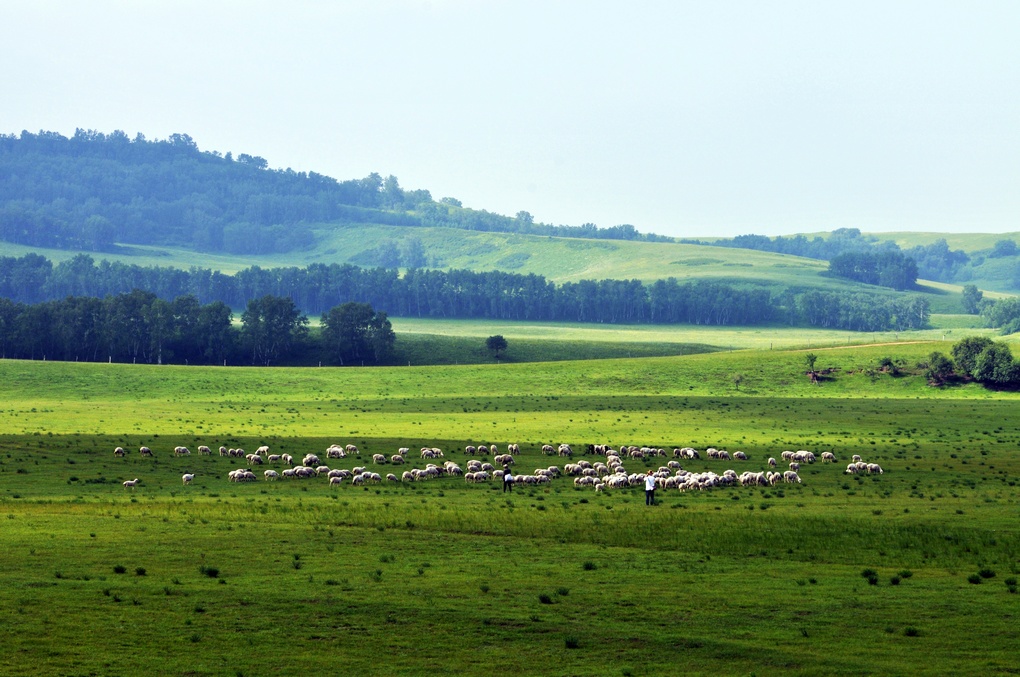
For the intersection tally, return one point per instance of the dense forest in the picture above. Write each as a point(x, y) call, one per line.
point(94, 191)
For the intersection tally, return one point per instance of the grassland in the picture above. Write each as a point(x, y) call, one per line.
point(451, 578)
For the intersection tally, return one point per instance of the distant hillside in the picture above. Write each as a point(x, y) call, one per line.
point(93, 191)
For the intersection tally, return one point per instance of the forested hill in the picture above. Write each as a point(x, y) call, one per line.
point(93, 191)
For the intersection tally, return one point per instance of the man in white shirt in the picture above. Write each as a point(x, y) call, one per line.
point(649, 489)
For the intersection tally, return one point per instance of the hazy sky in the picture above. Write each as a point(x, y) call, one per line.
point(682, 118)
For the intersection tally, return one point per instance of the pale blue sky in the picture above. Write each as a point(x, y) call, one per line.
point(682, 118)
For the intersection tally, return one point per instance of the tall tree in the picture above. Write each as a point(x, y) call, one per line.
point(271, 326)
point(355, 333)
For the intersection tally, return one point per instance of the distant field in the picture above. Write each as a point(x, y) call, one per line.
point(722, 338)
point(968, 242)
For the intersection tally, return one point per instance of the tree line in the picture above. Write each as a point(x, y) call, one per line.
point(465, 294)
point(140, 327)
point(93, 190)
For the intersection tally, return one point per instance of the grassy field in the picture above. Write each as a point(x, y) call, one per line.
point(295, 577)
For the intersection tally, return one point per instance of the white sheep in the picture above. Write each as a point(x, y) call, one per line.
point(119, 451)
point(791, 477)
point(271, 475)
point(378, 458)
point(874, 468)
point(772, 462)
point(187, 477)
point(739, 456)
point(131, 484)
point(204, 450)
point(145, 451)
point(336, 481)
point(794, 465)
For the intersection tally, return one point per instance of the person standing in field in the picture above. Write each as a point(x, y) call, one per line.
point(508, 480)
point(649, 489)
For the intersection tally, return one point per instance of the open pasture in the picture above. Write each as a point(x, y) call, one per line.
point(298, 577)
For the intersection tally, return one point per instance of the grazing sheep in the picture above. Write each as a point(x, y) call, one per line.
point(335, 451)
point(337, 481)
point(131, 484)
point(378, 458)
point(548, 449)
point(262, 451)
point(204, 450)
point(787, 456)
point(182, 451)
point(288, 472)
point(351, 449)
point(187, 477)
point(390, 477)
point(856, 458)
point(513, 448)
point(273, 458)
point(470, 450)
point(791, 477)
point(271, 475)
point(828, 457)
point(145, 451)
point(874, 468)
point(794, 465)
point(772, 462)
point(851, 469)
point(119, 451)
point(287, 458)
point(396, 459)
point(739, 456)
point(254, 459)
point(565, 450)
point(223, 451)
point(310, 459)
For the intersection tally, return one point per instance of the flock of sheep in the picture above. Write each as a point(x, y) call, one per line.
point(600, 475)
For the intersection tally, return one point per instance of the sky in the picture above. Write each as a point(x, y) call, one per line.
point(690, 119)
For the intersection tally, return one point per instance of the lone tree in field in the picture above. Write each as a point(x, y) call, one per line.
point(737, 379)
point(496, 345)
point(811, 358)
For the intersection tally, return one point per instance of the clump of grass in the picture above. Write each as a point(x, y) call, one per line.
point(571, 642)
point(588, 566)
point(119, 569)
point(211, 572)
point(545, 599)
point(895, 580)
point(139, 571)
point(563, 592)
point(986, 573)
point(911, 631)
point(906, 573)
point(974, 578)
point(199, 609)
point(484, 588)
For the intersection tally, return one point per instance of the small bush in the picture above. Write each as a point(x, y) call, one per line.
point(1010, 581)
point(911, 631)
point(140, 571)
point(571, 642)
point(211, 572)
point(895, 580)
point(119, 569)
point(906, 573)
point(872, 580)
point(545, 599)
point(974, 578)
point(588, 566)
point(986, 573)
point(484, 588)
point(869, 573)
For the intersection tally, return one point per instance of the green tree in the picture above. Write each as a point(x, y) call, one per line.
point(356, 333)
point(965, 352)
point(939, 370)
point(972, 299)
point(496, 345)
point(272, 326)
point(810, 359)
point(995, 366)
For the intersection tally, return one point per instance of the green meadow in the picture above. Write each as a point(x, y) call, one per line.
point(909, 572)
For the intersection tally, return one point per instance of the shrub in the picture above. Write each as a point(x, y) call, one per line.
point(588, 566)
point(211, 572)
point(545, 599)
point(140, 571)
point(911, 631)
point(974, 578)
point(571, 642)
point(986, 573)
point(119, 569)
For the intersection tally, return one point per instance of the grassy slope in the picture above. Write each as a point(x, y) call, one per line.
point(447, 577)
